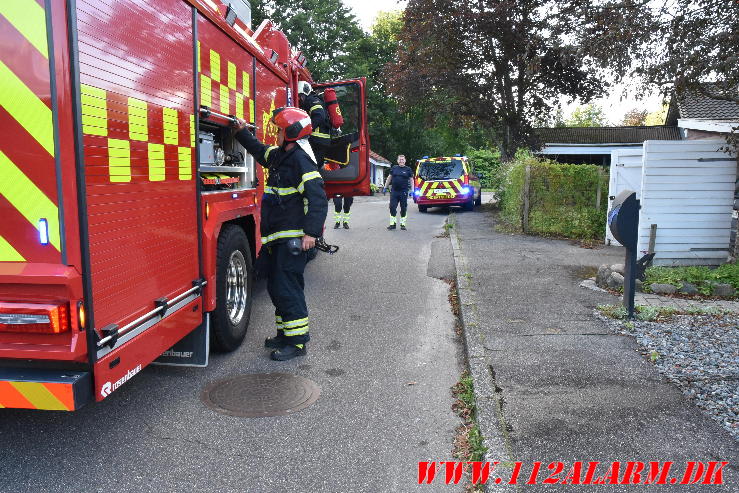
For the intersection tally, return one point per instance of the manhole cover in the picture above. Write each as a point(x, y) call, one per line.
point(260, 394)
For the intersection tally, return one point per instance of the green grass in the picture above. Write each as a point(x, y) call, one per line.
point(702, 277)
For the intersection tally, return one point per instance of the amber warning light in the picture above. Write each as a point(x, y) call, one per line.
point(34, 318)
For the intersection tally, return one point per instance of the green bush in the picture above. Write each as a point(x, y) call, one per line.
point(562, 197)
point(487, 162)
point(702, 277)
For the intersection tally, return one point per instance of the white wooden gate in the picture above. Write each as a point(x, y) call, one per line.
point(687, 190)
point(625, 174)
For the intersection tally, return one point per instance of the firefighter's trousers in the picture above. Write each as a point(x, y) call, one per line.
point(285, 286)
point(395, 199)
point(347, 205)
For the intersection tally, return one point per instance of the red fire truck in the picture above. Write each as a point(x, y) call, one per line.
point(129, 216)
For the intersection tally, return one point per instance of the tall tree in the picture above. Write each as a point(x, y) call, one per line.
point(503, 63)
point(635, 117)
point(322, 29)
point(590, 115)
point(675, 45)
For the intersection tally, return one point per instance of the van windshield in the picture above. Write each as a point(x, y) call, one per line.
point(440, 170)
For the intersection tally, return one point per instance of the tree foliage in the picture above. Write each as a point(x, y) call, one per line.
point(675, 45)
point(323, 29)
point(503, 63)
point(590, 115)
point(635, 117)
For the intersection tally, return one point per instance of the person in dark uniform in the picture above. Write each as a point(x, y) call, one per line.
point(400, 179)
point(294, 209)
point(342, 211)
point(311, 103)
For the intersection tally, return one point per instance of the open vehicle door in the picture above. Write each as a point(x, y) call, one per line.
point(347, 169)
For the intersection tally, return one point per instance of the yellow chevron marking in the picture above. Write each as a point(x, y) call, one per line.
point(205, 88)
point(224, 99)
point(119, 160)
point(8, 253)
point(231, 76)
point(29, 18)
point(184, 155)
point(239, 106)
point(26, 108)
point(94, 110)
point(215, 66)
point(192, 130)
point(245, 84)
point(171, 126)
point(39, 396)
point(156, 162)
point(138, 126)
point(26, 197)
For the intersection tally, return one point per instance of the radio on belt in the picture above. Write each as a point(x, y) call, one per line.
point(623, 220)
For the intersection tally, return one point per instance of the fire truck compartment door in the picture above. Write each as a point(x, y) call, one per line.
point(347, 168)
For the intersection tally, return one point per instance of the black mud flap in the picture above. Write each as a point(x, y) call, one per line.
point(192, 350)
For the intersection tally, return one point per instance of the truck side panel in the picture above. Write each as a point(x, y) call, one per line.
point(138, 134)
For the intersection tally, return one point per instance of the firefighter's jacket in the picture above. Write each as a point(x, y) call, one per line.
point(294, 201)
point(313, 105)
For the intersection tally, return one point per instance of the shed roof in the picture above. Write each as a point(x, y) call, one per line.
point(605, 135)
point(701, 106)
point(378, 158)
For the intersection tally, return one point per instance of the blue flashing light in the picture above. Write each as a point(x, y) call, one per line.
point(43, 231)
point(417, 193)
point(458, 155)
point(465, 190)
point(234, 196)
point(425, 157)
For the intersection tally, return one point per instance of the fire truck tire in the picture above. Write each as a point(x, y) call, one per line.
point(422, 208)
point(469, 205)
point(234, 281)
point(478, 201)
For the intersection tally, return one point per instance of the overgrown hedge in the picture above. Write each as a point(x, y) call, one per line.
point(562, 197)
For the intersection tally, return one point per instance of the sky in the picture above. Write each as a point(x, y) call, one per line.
point(614, 105)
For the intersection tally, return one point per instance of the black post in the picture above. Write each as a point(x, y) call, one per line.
point(623, 219)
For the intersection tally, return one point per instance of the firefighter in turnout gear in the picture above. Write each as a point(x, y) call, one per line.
point(342, 216)
point(400, 179)
point(294, 209)
point(311, 103)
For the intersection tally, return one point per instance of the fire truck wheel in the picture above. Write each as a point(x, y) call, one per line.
point(478, 201)
point(469, 205)
point(234, 280)
point(422, 208)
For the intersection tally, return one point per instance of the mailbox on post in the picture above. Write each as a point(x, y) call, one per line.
point(623, 220)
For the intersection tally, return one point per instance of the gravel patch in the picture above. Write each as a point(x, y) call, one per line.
point(700, 354)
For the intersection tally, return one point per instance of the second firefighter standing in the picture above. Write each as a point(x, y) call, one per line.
point(294, 210)
point(399, 181)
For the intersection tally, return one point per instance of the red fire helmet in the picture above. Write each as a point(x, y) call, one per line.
point(294, 121)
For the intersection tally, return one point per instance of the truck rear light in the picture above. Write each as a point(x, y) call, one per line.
point(34, 318)
point(81, 316)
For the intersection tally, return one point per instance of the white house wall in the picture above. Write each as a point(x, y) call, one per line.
point(687, 190)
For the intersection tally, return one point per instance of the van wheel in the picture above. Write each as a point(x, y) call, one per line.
point(422, 208)
point(469, 205)
point(234, 280)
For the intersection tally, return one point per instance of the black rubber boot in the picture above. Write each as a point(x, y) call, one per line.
point(337, 225)
point(346, 225)
point(276, 342)
point(288, 352)
point(402, 226)
point(392, 226)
